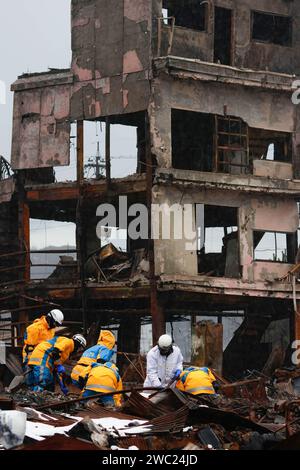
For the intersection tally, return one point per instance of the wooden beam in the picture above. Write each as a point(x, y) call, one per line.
point(96, 190)
point(158, 320)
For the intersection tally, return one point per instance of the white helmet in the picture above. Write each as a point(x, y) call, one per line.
point(165, 341)
point(80, 339)
point(57, 316)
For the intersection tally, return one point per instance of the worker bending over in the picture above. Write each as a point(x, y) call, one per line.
point(46, 362)
point(101, 353)
point(198, 380)
point(164, 363)
point(104, 378)
point(40, 330)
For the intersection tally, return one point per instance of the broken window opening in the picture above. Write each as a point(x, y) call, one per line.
point(206, 142)
point(126, 148)
point(127, 143)
point(274, 246)
point(123, 148)
point(271, 28)
point(223, 36)
point(218, 241)
point(231, 145)
point(191, 14)
point(231, 321)
point(114, 235)
point(270, 145)
point(69, 173)
point(110, 260)
point(192, 140)
point(47, 235)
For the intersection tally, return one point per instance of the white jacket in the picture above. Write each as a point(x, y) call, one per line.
point(161, 369)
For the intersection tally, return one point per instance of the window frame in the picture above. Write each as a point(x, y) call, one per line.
point(267, 13)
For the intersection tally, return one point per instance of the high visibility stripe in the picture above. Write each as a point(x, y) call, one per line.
point(36, 359)
point(100, 387)
point(199, 389)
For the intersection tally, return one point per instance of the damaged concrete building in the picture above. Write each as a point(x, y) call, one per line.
point(208, 87)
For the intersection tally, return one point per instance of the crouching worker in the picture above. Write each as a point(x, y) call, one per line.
point(47, 359)
point(164, 363)
point(101, 353)
point(104, 378)
point(42, 329)
point(198, 380)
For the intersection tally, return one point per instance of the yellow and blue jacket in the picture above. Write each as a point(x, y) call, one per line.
point(105, 378)
point(102, 352)
point(35, 333)
point(52, 353)
point(197, 380)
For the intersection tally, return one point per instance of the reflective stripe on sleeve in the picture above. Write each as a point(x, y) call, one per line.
point(100, 387)
point(200, 389)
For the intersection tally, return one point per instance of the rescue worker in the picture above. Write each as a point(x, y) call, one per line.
point(198, 381)
point(100, 353)
point(46, 362)
point(42, 329)
point(104, 378)
point(164, 363)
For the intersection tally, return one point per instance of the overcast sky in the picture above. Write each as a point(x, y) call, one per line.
point(36, 35)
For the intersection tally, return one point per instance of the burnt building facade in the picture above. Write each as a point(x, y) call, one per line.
point(208, 87)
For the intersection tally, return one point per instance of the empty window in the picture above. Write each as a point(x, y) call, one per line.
point(274, 246)
point(223, 36)
point(218, 245)
point(192, 140)
point(232, 154)
point(188, 13)
point(270, 145)
point(273, 29)
point(48, 239)
point(205, 142)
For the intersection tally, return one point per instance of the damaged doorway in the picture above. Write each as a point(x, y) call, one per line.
point(218, 241)
point(223, 36)
point(192, 140)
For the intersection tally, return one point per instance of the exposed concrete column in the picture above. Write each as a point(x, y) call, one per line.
point(80, 151)
point(158, 320)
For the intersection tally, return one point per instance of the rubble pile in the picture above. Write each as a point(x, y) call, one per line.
point(254, 414)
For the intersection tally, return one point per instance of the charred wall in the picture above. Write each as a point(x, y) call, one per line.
point(265, 213)
point(247, 51)
point(111, 44)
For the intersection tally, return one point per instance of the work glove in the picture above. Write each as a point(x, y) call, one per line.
point(60, 370)
point(64, 389)
point(216, 386)
point(177, 374)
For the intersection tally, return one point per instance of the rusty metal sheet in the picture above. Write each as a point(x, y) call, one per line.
point(143, 407)
point(207, 345)
point(7, 188)
point(251, 389)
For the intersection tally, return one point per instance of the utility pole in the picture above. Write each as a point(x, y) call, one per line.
point(96, 163)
